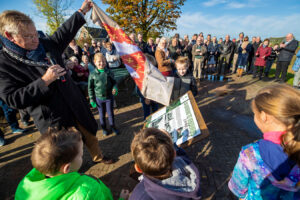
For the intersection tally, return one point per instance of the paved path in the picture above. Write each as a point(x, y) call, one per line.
point(225, 108)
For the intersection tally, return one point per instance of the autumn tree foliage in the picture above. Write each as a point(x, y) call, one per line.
point(149, 17)
point(53, 10)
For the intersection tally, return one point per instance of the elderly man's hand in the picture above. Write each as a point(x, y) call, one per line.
point(86, 6)
point(53, 73)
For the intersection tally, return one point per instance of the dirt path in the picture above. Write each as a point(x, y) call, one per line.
point(225, 108)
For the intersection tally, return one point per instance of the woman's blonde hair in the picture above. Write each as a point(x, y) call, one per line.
point(283, 102)
point(13, 22)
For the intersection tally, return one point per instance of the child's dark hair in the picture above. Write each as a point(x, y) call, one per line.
point(153, 152)
point(283, 102)
point(55, 148)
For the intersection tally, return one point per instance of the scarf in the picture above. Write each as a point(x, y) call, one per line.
point(112, 52)
point(37, 55)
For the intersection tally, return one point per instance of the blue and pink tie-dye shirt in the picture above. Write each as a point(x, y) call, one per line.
point(252, 179)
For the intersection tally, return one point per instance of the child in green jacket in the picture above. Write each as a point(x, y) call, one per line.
point(56, 158)
point(102, 87)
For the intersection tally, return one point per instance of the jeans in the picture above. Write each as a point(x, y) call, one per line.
point(296, 82)
point(147, 108)
point(103, 107)
point(269, 64)
point(10, 116)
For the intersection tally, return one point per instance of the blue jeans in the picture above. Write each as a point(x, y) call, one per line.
point(147, 108)
point(269, 64)
point(10, 116)
point(103, 107)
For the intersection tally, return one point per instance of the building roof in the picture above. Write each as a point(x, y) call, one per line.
point(96, 32)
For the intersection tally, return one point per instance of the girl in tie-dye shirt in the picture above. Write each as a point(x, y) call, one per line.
point(269, 168)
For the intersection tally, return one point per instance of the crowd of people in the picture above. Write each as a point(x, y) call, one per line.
point(56, 96)
point(212, 59)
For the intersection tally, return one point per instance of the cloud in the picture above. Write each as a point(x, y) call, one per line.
point(264, 26)
point(236, 5)
point(214, 2)
point(232, 4)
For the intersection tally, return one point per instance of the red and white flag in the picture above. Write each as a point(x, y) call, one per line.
point(152, 84)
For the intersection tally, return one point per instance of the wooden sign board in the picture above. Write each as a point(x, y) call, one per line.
point(182, 120)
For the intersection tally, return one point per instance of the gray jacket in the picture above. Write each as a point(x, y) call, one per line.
point(226, 47)
point(286, 54)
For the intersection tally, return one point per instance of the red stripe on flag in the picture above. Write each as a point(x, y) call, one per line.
point(117, 34)
point(137, 62)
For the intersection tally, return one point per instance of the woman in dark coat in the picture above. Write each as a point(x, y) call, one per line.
point(28, 81)
point(244, 50)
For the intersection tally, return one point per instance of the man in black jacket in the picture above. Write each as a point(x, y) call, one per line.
point(28, 81)
point(226, 49)
point(286, 52)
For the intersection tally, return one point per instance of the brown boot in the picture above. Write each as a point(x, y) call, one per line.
point(238, 72)
point(241, 72)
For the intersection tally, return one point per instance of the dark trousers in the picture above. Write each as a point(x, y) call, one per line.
point(24, 115)
point(103, 107)
point(260, 69)
point(221, 67)
point(147, 108)
point(269, 64)
point(250, 63)
point(10, 116)
point(281, 68)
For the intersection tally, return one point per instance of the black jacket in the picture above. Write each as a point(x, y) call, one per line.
point(286, 54)
point(59, 104)
point(182, 84)
point(69, 52)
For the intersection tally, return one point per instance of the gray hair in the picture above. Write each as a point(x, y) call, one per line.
point(13, 22)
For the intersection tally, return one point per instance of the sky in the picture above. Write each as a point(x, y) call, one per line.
point(263, 18)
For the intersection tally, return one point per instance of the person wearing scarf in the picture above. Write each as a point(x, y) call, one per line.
point(161, 56)
point(244, 50)
point(28, 80)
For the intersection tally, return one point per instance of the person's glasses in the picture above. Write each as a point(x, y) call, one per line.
point(29, 36)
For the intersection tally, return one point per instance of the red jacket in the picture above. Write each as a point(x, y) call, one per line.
point(261, 55)
point(79, 69)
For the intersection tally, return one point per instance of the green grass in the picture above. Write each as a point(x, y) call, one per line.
point(289, 76)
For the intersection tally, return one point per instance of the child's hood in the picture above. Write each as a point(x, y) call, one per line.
point(183, 184)
point(285, 173)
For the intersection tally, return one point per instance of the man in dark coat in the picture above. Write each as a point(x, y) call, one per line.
point(286, 52)
point(141, 43)
point(226, 49)
point(28, 81)
point(73, 50)
point(254, 48)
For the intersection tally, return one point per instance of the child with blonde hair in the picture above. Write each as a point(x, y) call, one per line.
point(183, 79)
point(102, 87)
point(269, 168)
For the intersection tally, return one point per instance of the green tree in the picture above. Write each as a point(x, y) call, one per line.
point(54, 11)
point(149, 17)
